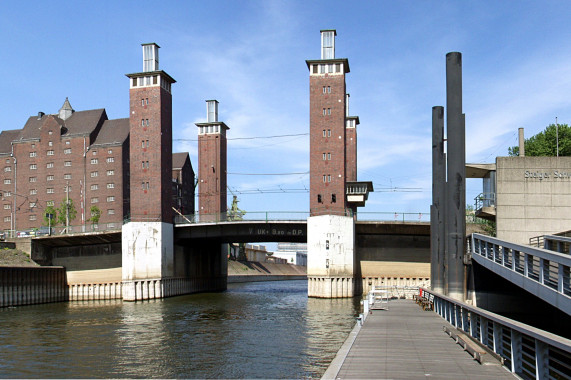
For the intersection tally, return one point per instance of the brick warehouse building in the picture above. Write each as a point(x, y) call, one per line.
point(87, 157)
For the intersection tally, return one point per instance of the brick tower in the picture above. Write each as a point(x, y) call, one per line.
point(147, 243)
point(150, 120)
point(212, 163)
point(327, 104)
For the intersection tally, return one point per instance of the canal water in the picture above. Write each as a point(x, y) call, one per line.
point(253, 330)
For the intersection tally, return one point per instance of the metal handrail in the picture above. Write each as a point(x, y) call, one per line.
point(528, 266)
point(485, 200)
point(527, 351)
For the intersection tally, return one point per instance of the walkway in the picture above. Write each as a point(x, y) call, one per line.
point(406, 342)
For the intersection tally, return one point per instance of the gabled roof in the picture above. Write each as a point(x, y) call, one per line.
point(179, 159)
point(6, 138)
point(79, 123)
point(112, 132)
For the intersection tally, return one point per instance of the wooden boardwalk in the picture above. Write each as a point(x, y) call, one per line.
point(405, 342)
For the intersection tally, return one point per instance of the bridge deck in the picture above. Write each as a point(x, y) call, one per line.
point(405, 342)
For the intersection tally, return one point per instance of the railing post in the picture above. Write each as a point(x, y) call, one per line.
point(497, 337)
point(515, 351)
point(484, 331)
point(560, 278)
point(525, 264)
point(515, 259)
point(503, 255)
point(474, 324)
point(465, 321)
point(541, 271)
point(541, 360)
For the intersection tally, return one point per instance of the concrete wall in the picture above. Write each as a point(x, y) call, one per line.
point(533, 197)
point(393, 261)
point(32, 285)
point(87, 257)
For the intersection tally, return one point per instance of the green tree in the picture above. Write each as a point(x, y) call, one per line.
point(235, 213)
point(66, 209)
point(95, 214)
point(51, 211)
point(545, 143)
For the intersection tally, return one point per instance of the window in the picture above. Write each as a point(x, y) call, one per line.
point(7, 218)
point(111, 212)
point(50, 190)
point(110, 225)
point(50, 178)
point(94, 200)
point(333, 198)
point(337, 67)
point(329, 133)
point(94, 152)
point(66, 151)
point(33, 154)
point(33, 191)
point(33, 217)
point(110, 159)
point(67, 176)
point(94, 174)
point(94, 161)
point(67, 142)
point(67, 163)
point(7, 181)
point(324, 112)
point(32, 204)
point(134, 82)
point(328, 44)
point(50, 132)
point(33, 179)
point(50, 165)
point(329, 156)
point(144, 122)
point(324, 178)
point(110, 185)
point(50, 203)
point(50, 143)
point(50, 152)
point(7, 207)
point(329, 178)
point(318, 198)
point(33, 166)
point(8, 169)
point(145, 164)
point(94, 187)
point(329, 111)
point(324, 135)
point(110, 151)
point(145, 185)
point(111, 199)
point(315, 68)
point(33, 146)
point(324, 89)
point(110, 172)
point(329, 89)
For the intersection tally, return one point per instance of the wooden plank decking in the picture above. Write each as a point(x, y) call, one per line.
point(405, 342)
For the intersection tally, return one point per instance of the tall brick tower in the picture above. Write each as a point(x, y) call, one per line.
point(150, 119)
point(212, 161)
point(327, 104)
point(147, 243)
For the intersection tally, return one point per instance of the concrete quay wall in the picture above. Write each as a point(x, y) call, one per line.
point(32, 285)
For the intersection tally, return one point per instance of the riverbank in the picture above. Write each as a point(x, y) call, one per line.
point(246, 271)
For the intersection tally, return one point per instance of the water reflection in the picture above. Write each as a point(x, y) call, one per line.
point(255, 330)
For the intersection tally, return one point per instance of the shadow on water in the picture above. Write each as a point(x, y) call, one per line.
point(254, 330)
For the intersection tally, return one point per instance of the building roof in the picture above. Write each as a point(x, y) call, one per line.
point(6, 138)
point(112, 132)
point(479, 170)
point(179, 159)
point(79, 123)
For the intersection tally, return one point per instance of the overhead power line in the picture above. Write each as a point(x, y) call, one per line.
point(253, 137)
point(293, 173)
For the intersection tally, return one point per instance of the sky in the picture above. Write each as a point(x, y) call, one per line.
point(250, 56)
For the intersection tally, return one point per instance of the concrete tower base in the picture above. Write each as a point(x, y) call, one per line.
point(148, 261)
point(331, 257)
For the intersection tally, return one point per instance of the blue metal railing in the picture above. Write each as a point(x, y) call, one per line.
point(528, 352)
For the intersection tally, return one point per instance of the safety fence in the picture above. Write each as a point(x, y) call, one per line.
point(528, 352)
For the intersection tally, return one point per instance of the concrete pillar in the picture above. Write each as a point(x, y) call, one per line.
point(521, 141)
point(147, 255)
point(437, 232)
point(331, 266)
point(456, 185)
